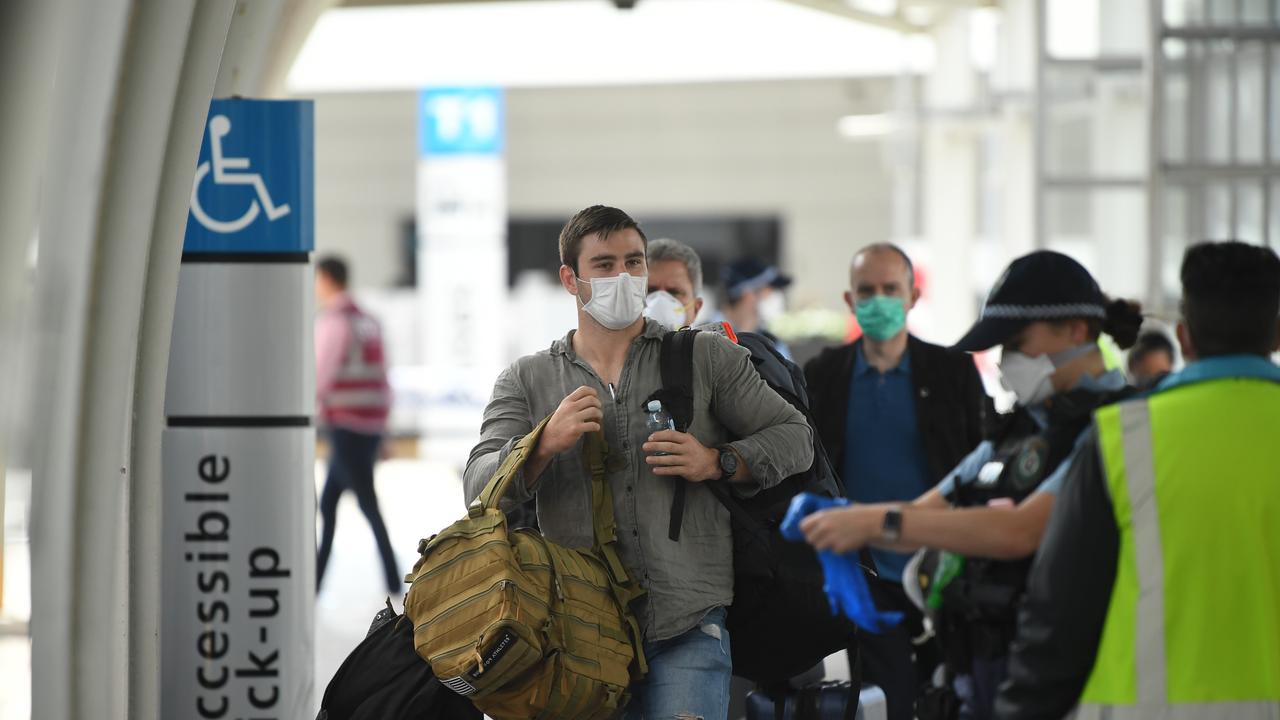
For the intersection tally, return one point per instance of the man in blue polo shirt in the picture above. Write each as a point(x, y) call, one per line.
point(895, 414)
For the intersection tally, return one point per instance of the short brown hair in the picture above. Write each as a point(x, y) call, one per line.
point(597, 219)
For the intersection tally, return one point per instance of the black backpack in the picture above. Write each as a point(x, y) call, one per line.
point(781, 622)
point(384, 679)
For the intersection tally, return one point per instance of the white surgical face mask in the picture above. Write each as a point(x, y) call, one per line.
point(1029, 378)
point(616, 302)
point(663, 307)
point(771, 308)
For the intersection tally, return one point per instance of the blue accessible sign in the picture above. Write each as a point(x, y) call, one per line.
point(254, 188)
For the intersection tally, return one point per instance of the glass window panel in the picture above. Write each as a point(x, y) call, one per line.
point(1070, 145)
point(1180, 13)
point(1216, 88)
point(1174, 117)
point(1254, 12)
point(1175, 240)
point(1248, 211)
point(1273, 117)
point(1217, 212)
point(1250, 102)
point(1109, 224)
point(1222, 12)
point(1096, 124)
point(1065, 84)
point(1275, 213)
point(1069, 214)
point(1197, 107)
point(1116, 31)
point(1072, 28)
point(990, 186)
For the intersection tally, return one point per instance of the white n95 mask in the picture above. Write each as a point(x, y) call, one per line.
point(1029, 378)
point(663, 308)
point(616, 302)
point(772, 307)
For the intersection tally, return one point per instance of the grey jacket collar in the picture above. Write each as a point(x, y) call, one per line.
point(564, 346)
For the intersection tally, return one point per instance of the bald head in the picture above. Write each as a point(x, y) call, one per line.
point(882, 269)
point(882, 253)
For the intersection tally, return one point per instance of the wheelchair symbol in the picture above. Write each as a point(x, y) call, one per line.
point(219, 127)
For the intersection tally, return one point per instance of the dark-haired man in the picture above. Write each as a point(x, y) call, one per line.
point(896, 414)
point(1154, 594)
point(597, 379)
point(1150, 359)
point(353, 400)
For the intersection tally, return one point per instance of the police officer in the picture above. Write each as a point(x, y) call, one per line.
point(1156, 593)
point(1047, 312)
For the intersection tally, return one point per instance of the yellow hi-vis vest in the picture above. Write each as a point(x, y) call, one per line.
point(1193, 628)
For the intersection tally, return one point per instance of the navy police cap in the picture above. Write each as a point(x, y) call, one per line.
point(1043, 285)
point(749, 273)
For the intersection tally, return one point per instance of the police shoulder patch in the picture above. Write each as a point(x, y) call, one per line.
point(1029, 466)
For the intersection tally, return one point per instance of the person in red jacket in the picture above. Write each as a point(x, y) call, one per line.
point(353, 401)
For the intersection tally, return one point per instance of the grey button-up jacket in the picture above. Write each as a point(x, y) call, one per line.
point(684, 579)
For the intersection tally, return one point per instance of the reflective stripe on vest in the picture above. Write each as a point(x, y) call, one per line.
point(1192, 629)
point(1182, 711)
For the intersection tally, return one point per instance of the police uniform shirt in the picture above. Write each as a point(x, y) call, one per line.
point(971, 468)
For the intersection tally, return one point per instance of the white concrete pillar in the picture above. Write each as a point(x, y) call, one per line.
point(950, 176)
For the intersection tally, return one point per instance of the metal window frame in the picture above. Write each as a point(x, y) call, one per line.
point(1197, 174)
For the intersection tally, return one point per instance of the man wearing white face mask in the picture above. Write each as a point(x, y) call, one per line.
point(597, 380)
point(1046, 312)
point(675, 284)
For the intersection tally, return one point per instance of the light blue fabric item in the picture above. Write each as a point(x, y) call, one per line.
point(967, 470)
point(1220, 368)
point(844, 582)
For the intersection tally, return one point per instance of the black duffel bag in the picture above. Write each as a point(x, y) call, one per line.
point(384, 679)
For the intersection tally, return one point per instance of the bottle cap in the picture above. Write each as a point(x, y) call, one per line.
point(655, 406)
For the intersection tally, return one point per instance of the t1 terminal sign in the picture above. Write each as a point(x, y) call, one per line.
point(239, 551)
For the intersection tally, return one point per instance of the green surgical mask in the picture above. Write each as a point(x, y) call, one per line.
point(881, 317)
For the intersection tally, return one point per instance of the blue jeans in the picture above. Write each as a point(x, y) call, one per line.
point(688, 675)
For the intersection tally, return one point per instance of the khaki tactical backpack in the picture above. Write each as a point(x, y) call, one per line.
point(522, 626)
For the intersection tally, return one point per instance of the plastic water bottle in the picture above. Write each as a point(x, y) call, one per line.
point(658, 419)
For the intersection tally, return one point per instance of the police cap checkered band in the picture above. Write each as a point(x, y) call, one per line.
point(1044, 312)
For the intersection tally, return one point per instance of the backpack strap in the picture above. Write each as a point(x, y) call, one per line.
point(676, 365)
